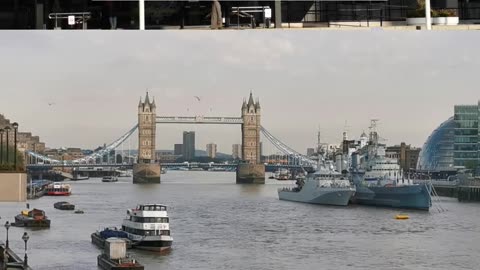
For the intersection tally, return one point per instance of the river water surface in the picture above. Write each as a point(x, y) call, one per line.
point(217, 224)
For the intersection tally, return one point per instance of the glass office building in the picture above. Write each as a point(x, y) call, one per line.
point(455, 143)
point(466, 145)
point(437, 152)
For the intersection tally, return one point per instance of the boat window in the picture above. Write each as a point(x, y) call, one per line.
point(149, 219)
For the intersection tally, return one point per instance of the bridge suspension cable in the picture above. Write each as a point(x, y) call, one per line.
point(98, 154)
point(286, 149)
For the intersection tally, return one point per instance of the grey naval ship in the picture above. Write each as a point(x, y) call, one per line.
point(324, 186)
point(380, 181)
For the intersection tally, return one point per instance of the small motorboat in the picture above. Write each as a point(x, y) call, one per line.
point(80, 177)
point(33, 218)
point(64, 206)
point(110, 178)
point(99, 237)
point(402, 216)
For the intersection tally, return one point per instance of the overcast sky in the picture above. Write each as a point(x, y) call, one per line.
point(304, 79)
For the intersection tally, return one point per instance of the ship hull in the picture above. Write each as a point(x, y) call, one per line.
point(58, 193)
point(99, 241)
point(154, 245)
point(105, 263)
point(408, 197)
point(340, 197)
point(21, 221)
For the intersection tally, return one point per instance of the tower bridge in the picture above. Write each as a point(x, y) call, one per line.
point(147, 170)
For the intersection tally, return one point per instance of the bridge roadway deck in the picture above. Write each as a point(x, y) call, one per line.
point(90, 167)
point(198, 120)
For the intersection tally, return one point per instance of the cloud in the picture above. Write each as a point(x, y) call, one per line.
point(303, 79)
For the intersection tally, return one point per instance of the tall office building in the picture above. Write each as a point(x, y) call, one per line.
point(466, 151)
point(211, 150)
point(237, 151)
point(188, 145)
point(178, 149)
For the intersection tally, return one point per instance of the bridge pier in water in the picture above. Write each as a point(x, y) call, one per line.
point(146, 171)
point(250, 173)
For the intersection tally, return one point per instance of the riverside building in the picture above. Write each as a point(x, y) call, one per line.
point(41, 14)
point(455, 143)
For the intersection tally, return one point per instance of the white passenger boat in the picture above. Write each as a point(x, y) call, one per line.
point(147, 226)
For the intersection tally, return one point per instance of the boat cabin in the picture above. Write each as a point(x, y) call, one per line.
point(35, 213)
point(151, 207)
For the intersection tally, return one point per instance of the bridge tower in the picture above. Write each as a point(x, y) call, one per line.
point(251, 170)
point(146, 170)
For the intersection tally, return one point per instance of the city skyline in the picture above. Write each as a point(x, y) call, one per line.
point(89, 85)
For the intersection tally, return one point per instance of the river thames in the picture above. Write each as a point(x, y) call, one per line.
point(217, 224)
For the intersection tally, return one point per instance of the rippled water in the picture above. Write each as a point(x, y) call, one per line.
point(217, 224)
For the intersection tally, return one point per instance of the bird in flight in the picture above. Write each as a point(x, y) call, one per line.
point(197, 97)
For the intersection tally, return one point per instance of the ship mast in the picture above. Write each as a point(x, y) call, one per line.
point(318, 140)
point(373, 131)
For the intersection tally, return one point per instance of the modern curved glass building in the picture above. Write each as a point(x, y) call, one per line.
point(437, 152)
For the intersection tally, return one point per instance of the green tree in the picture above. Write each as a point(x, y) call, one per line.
point(8, 165)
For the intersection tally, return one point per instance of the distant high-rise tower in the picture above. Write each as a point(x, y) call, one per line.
point(188, 145)
point(178, 149)
point(146, 130)
point(237, 151)
point(211, 150)
point(251, 131)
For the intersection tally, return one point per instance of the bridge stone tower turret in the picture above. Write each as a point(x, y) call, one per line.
point(146, 170)
point(251, 170)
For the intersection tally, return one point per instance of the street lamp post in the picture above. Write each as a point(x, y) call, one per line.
point(7, 130)
point(25, 238)
point(1, 145)
point(15, 128)
point(428, 18)
point(7, 226)
point(141, 14)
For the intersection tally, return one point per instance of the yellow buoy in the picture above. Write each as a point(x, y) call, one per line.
point(400, 216)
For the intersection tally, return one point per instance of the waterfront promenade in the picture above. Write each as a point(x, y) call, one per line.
point(14, 261)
